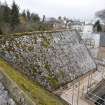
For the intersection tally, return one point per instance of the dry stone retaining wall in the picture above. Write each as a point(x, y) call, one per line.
point(50, 58)
point(5, 99)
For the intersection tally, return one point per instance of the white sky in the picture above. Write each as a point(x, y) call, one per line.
point(54, 8)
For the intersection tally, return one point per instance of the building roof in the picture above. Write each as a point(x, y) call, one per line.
point(77, 22)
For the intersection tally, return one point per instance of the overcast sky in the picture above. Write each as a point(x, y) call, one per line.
point(69, 8)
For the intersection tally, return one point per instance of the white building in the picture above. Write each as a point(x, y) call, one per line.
point(87, 28)
point(91, 40)
point(78, 25)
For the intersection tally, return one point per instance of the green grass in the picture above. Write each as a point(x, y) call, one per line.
point(38, 94)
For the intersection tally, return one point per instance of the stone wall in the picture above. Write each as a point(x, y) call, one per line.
point(5, 98)
point(50, 58)
point(15, 92)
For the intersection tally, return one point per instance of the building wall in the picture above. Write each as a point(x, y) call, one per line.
point(91, 40)
point(77, 27)
point(87, 28)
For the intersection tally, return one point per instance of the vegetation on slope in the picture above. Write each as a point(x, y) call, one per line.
point(12, 20)
point(36, 92)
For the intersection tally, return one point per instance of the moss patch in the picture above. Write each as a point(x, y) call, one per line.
point(54, 82)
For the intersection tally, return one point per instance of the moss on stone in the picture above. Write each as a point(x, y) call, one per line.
point(53, 81)
point(46, 42)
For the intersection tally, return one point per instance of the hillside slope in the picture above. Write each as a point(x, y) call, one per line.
point(38, 94)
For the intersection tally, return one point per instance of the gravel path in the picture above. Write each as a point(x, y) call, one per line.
point(5, 99)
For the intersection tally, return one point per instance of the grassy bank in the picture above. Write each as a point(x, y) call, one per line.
point(39, 95)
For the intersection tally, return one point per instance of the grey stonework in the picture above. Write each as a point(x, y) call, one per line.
point(5, 99)
point(9, 88)
point(52, 59)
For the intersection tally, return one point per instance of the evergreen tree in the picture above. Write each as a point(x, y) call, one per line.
point(24, 14)
point(97, 26)
point(1, 31)
point(14, 16)
point(44, 18)
point(6, 13)
point(23, 18)
point(35, 18)
point(28, 15)
point(2, 8)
